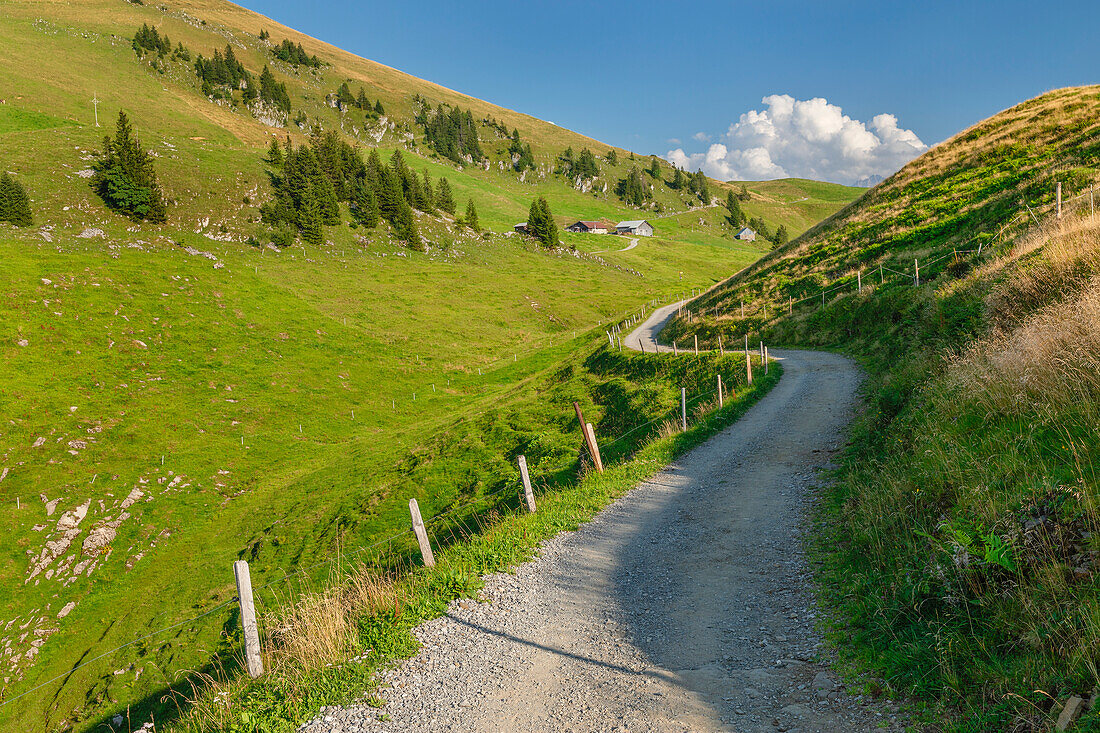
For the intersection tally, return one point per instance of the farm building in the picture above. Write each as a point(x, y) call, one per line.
point(641, 227)
point(521, 227)
point(589, 227)
point(747, 235)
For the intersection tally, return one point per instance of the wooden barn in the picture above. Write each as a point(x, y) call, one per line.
point(639, 227)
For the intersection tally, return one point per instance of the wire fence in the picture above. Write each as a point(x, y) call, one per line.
point(922, 271)
point(436, 522)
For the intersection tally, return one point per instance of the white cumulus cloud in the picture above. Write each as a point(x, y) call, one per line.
point(808, 138)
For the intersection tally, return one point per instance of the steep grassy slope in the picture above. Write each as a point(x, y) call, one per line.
point(959, 544)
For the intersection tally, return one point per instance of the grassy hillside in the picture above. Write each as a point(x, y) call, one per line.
point(178, 396)
point(958, 546)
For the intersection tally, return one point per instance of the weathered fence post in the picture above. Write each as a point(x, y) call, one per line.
point(766, 360)
point(528, 494)
point(589, 439)
point(765, 311)
point(761, 352)
point(790, 305)
point(252, 657)
point(675, 349)
point(697, 344)
point(881, 277)
point(822, 300)
point(721, 400)
point(592, 434)
point(421, 534)
point(721, 350)
point(916, 272)
point(742, 308)
point(683, 408)
point(1058, 197)
point(859, 281)
point(748, 360)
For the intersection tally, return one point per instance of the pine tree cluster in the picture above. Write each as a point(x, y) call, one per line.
point(583, 165)
point(451, 132)
point(632, 189)
point(296, 55)
point(149, 40)
point(311, 180)
point(541, 224)
point(224, 71)
point(522, 158)
point(698, 185)
point(124, 176)
point(15, 205)
point(360, 101)
point(274, 92)
point(612, 157)
point(264, 35)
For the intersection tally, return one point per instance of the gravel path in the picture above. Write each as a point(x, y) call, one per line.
point(684, 606)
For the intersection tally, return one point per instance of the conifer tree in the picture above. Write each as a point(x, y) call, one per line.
point(655, 168)
point(781, 236)
point(699, 186)
point(736, 216)
point(550, 227)
point(612, 157)
point(275, 153)
point(679, 180)
point(429, 195)
point(124, 176)
point(310, 217)
point(361, 101)
point(444, 199)
point(471, 216)
point(379, 108)
point(365, 204)
point(744, 195)
point(15, 205)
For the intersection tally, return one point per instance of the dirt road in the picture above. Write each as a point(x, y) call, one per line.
point(684, 606)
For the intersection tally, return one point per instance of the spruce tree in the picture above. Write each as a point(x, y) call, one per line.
point(612, 157)
point(655, 169)
point(444, 199)
point(429, 196)
point(471, 216)
point(678, 179)
point(310, 217)
point(15, 205)
point(781, 236)
point(378, 108)
point(124, 176)
point(736, 216)
point(275, 153)
point(535, 225)
point(550, 227)
point(744, 195)
point(365, 204)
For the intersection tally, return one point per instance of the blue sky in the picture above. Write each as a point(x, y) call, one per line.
point(640, 74)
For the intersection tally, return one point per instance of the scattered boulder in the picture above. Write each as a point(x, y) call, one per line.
point(92, 233)
point(1070, 713)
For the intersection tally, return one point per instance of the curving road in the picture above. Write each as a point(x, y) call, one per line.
point(684, 606)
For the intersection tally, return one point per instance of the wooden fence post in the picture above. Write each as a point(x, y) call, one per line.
point(421, 534)
point(766, 360)
point(721, 350)
point(1058, 197)
point(881, 277)
point(675, 348)
point(822, 300)
point(252, 657)
point(697, 344)
point(790, 305)
point(683, 408)
point(528, 494)
point(721, 400)
point(592, 434)
point(765, 311)
point(761, 352)
point(916, 272)
point(859, 281)
point(748, 360)
point(589, 440)
point(742, 308)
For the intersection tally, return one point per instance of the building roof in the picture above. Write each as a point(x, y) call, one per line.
point(745, 230)
point(633, 224)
